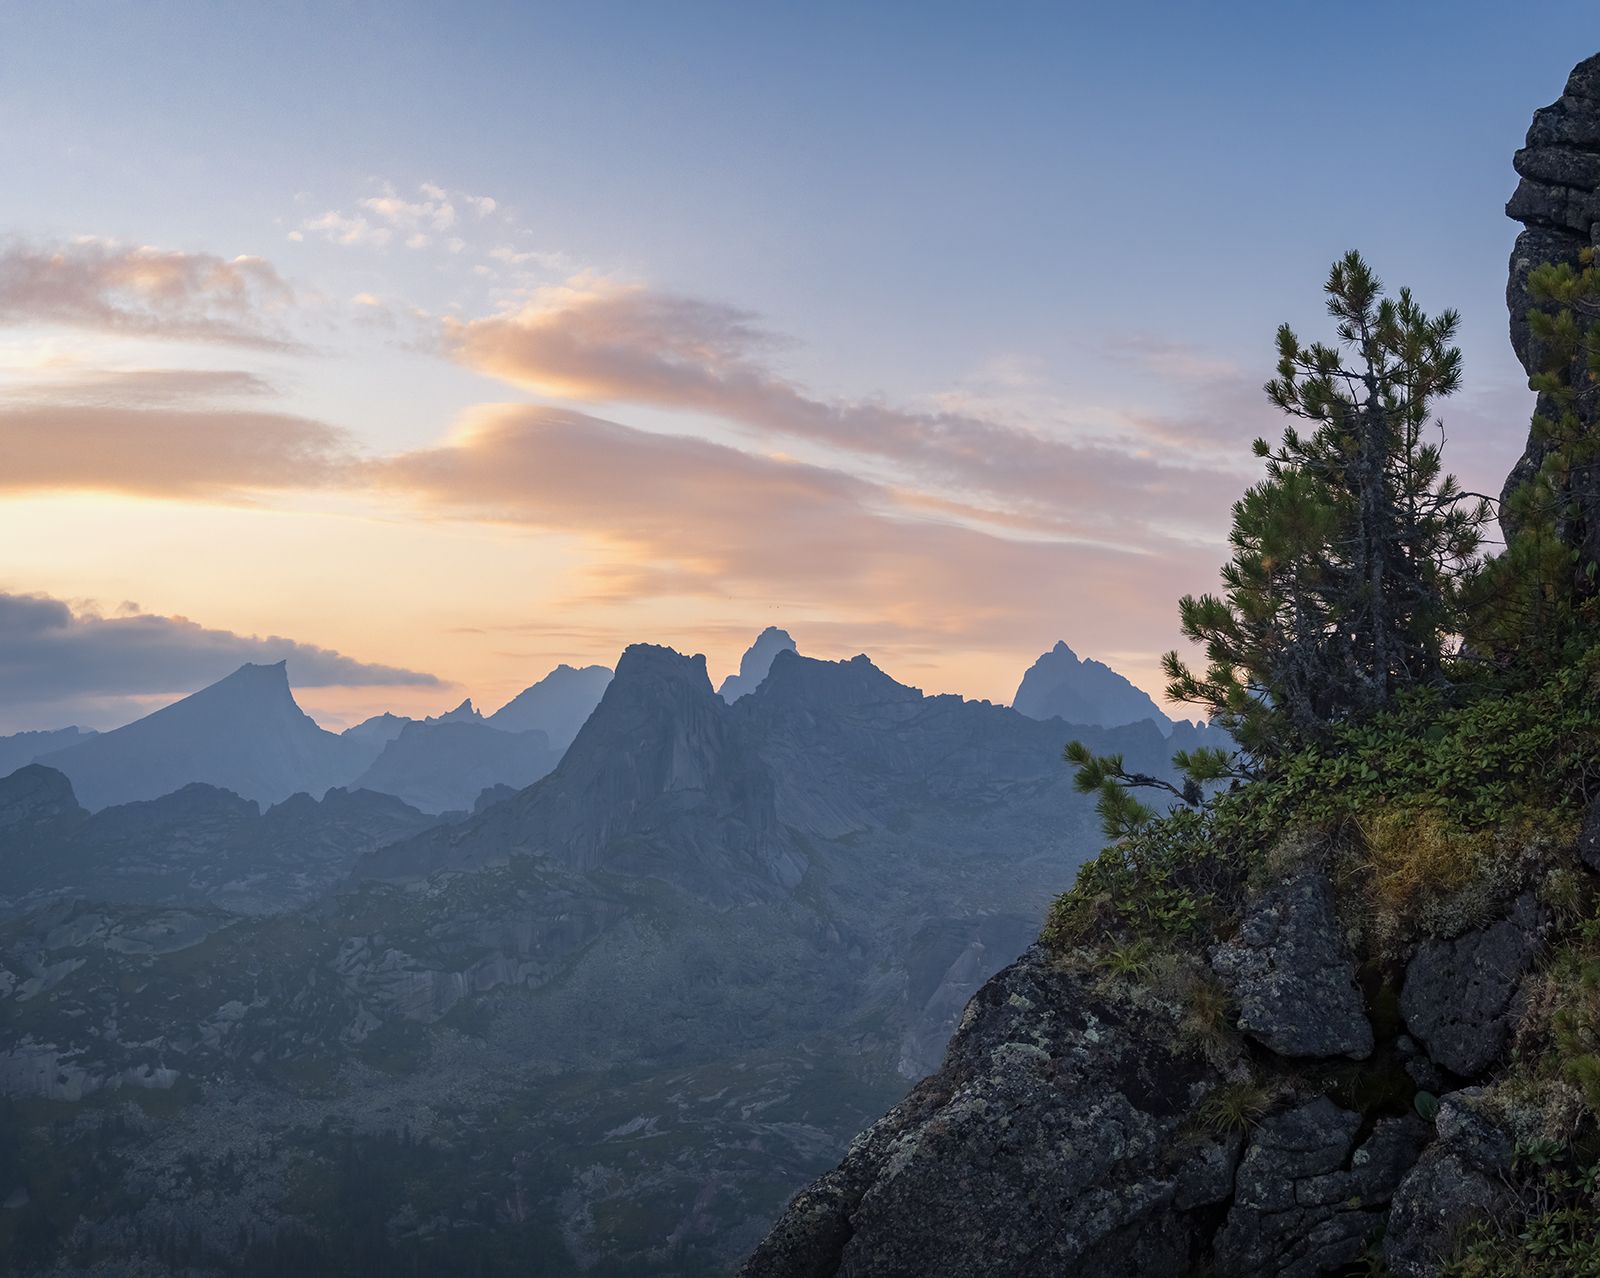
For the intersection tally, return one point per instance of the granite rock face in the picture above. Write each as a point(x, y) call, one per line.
point(1459, 996)
point(1292, 975)
point(1558, 204)
point(1048, 1143)
point(1461, 1177)
point(1310, 1195)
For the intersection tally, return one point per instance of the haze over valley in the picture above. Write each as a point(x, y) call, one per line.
point(650, 976)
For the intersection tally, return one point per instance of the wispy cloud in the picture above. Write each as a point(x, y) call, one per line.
point(594, 340)
point(136, 387)
point(680, 516)
point(417, 221)
point(144, 292)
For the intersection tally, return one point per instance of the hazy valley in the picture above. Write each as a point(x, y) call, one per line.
point(611, 1018)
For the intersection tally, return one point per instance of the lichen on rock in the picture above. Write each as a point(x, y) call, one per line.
point(1291, 972)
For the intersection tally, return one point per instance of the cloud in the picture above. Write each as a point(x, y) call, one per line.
point(144, 292)
point(388, 216)
point(55, 658)
point(594, 340)
point(139, 387)
point(681, 516)
point(165, 452)
point(344, 229)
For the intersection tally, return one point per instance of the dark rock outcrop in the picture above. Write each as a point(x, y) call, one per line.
point(1048, 1143)
point(1309, 1195)
point(1589, 837)
point(1558, 203)
point(1459, 996)
point(1461, 1177)
point(1292, 975)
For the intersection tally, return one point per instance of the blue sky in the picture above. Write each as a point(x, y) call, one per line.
point(1071, 220)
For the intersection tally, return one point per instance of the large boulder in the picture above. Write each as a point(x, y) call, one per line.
point(1291, 973)
point(1307, 1198)
point(1461, 1177)
point(1057, 1137)
point(1460, 996)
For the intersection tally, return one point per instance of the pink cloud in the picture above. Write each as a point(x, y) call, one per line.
point(680, 516)
point(598, 341)
point(165, 452)
point(144, 292)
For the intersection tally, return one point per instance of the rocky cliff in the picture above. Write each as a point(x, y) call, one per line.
point(1558, 203)
point(1254, 1112)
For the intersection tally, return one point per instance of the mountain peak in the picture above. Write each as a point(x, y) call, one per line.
point(794, 678)
point(556, 705)
point(254, 676)
point(35, 797)
point(1062, 685)
point(244, 733)
point(466, 712)
point(649, 661)
point(756, 662)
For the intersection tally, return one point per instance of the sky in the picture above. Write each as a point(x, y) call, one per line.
point(430, 346)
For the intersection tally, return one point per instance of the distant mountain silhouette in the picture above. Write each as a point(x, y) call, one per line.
point(1060, 685)
point(377, 731)
point(666, 780)
point(197, 845)
point(557, 705)
point(466, 712)
point(444, 764)
point(244, 733)
point(24, 747)
point(755, 663)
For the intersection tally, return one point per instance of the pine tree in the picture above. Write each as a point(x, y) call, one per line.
point(1345, 584)
point(1348, 555)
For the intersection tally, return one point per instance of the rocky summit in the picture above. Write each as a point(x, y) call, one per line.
point(244, 733)
point(1061, 685)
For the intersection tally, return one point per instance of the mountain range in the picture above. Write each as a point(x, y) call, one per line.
point(659, 985)
point(199, 845)
point(247, 734)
